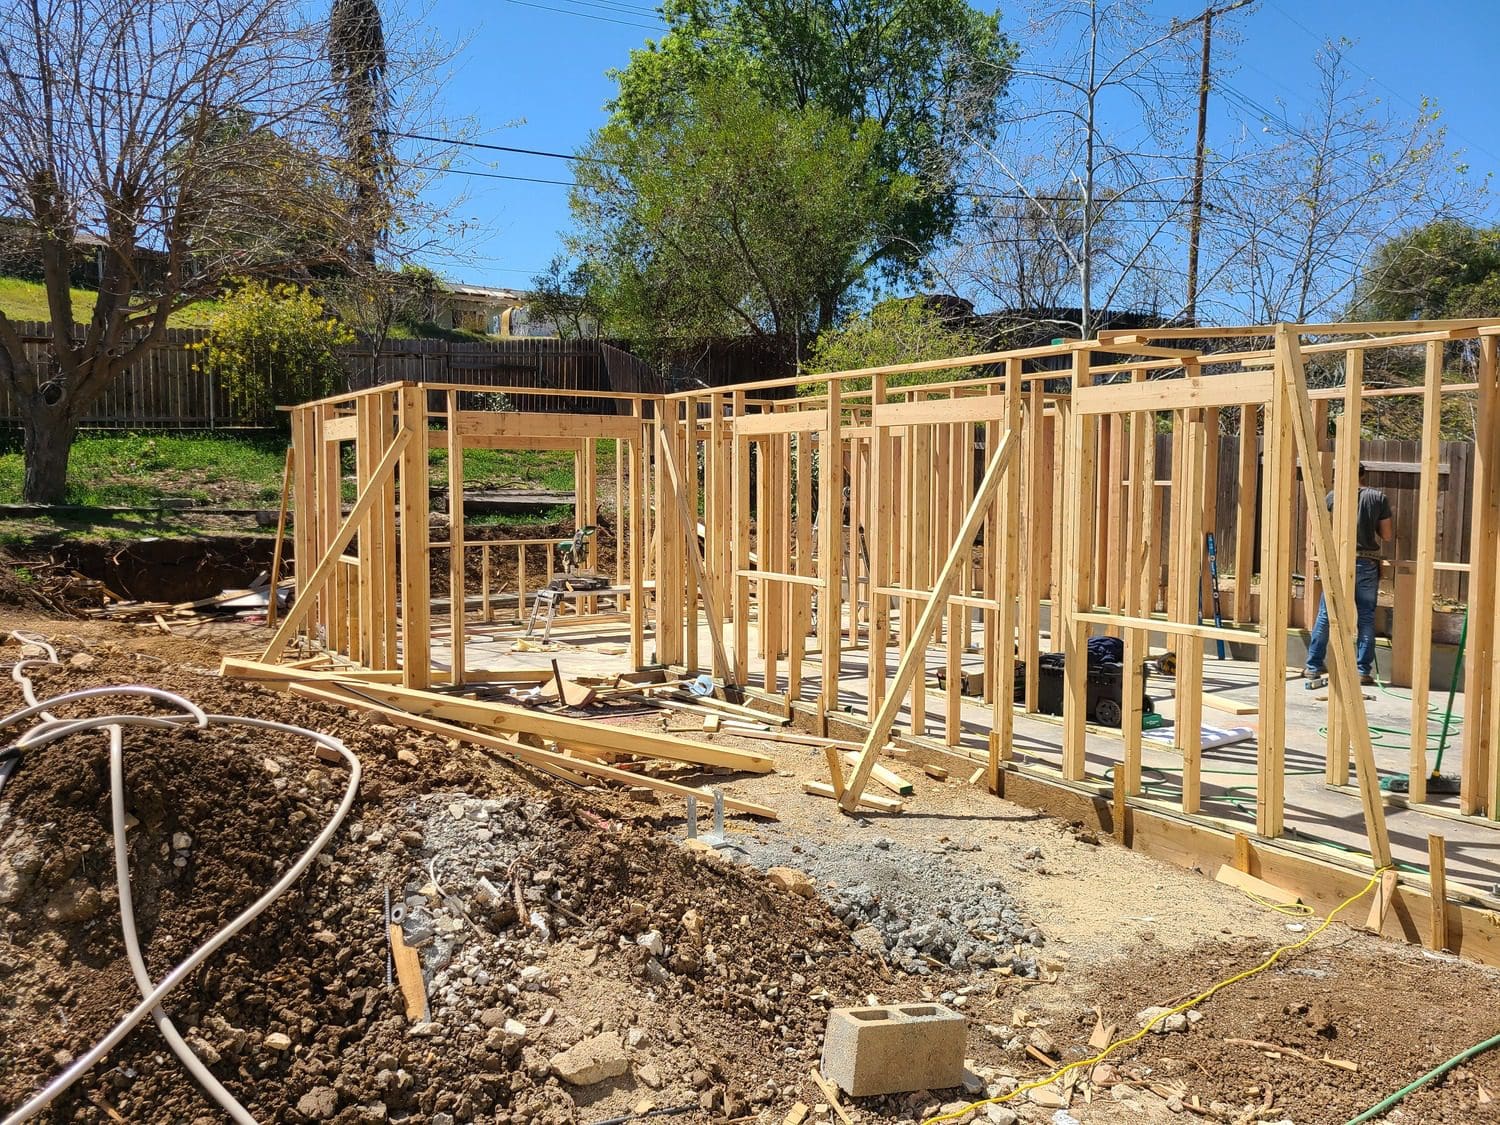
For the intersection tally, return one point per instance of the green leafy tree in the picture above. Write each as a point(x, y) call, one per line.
point(901, 330)
point(928, 76)
point(273, 345)
point(1444, 269)
point(567, 296)
point(732, 215)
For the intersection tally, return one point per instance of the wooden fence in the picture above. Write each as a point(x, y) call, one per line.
point(167, 391)
point(164, 391)
point(1393, 467)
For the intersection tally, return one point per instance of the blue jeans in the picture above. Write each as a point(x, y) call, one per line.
point(1366, 587)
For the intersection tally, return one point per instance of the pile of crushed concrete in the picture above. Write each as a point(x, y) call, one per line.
point(919, 908)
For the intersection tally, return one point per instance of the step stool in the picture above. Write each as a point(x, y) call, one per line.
point(550, 598)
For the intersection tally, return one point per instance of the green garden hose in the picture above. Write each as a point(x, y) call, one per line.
point(1436, 1072)
point(1458, 663)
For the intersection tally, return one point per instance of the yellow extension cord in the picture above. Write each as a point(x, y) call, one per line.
point(1141, 1034)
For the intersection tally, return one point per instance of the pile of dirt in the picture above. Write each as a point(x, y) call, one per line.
point(1346, 1044)
point(711, 984)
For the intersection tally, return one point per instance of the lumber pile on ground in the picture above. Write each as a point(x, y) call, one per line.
point(580, 751)
point(253, 600)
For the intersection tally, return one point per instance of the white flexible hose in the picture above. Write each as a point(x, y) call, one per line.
point(143, 980)
point(51, 730)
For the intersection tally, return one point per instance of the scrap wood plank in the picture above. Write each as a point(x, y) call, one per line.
point(831, 1092)
point(869, 800)
point(553, 762)
point(572, 695)
point(1385, 895)
point(408, 974)
point(797, 1114)
point(563, 730)
point(793, 738)
point(1278, 1049)
point(279, 676)
point(1437, 870)
point(689, 708)
point(1231, 876)
point(1104, 1033)
point(1229, 706)
point(886, 776)
point(717, 704)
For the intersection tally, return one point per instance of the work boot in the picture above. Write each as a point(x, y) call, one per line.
point(1367, 678)
point(1311, 674)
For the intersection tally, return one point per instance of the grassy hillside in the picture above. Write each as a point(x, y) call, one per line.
point(125, 470)
point(27, 300)
point(131, 469)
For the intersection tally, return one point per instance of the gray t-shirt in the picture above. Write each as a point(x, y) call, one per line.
point(1373, 507)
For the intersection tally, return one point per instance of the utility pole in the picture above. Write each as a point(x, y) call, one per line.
point(1195, 215)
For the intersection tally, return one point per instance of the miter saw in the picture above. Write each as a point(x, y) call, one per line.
point(572, 554)
point(574, 579)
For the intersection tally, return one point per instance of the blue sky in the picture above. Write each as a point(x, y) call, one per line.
point(538, 66)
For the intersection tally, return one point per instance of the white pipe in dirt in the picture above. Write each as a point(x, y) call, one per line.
point(52, 730)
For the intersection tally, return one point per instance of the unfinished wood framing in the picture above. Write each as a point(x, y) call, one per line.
point(867, 547)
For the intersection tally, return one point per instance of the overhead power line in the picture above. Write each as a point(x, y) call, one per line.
point(487, 147)
point(488, 175)
point(586, 15)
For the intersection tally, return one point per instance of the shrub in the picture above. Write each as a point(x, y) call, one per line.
point(273, 345)
point(900, 330)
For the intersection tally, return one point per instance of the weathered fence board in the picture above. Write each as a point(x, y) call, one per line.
point(1395, 469)
point(167, 390)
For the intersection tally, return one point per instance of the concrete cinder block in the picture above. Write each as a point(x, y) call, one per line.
point(894, 1049)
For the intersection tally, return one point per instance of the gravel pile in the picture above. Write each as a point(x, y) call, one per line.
point(478, 855)
point(928, 911)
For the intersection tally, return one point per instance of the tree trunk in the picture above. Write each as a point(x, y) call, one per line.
point(47, 439)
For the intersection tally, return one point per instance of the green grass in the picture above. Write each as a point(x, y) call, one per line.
point(21, 299)
point(24, 534)
point(502, 468)
point(557, 513)
point(521, 468)
point(134, 470)
point(427, 330)
point(243, 471)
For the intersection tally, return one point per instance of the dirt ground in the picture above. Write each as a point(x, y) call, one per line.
point(722, 1023)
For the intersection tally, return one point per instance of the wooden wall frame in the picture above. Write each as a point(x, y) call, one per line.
point(832, 551)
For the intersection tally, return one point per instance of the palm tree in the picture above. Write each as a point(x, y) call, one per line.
point(357, 56)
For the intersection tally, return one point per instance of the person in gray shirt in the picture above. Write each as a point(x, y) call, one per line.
point(1372, 530)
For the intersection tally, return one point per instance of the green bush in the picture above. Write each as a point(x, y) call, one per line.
point(273, 345)
point(900, 330)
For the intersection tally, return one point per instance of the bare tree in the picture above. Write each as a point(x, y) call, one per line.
point(1297, 222)
point(194, 140)
point(1081, 195)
